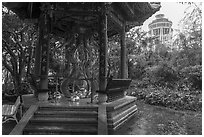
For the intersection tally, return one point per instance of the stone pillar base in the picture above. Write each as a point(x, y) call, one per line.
point(102, 98)
point(43, 96)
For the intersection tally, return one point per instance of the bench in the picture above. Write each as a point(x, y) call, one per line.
point(115, 88)
point(9, 111)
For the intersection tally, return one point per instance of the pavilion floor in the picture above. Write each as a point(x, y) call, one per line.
point(30, 99)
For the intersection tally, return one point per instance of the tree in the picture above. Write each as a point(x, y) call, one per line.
point(189, 39)
point(18, 42)
point(189, 59)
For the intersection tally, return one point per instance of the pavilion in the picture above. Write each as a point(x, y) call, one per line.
point(81, 20)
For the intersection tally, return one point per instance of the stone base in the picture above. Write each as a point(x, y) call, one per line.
point(102, 98)
point(119, 112)
point(43, 96)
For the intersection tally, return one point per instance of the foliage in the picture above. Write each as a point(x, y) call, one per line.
point(180, 100)
point(192, 21)
point(172, 78)
point(18, 41)
point(179, 69)
point(192, 76)
point(162, 75)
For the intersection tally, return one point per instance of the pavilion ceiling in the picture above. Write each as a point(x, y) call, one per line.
point(83, 17)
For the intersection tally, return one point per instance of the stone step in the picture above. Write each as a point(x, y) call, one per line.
point(72, 113)
point(71, 125)
point(121, 103)
point(61, 120)
point(67, 120)
point(69, 108)
point(66, 130)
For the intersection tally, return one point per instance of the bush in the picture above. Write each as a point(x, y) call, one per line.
point(192, 77)
point(162, 75)
point(163, 86)
point(186, 100)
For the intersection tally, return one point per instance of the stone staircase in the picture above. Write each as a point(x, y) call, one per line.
point(63, 120)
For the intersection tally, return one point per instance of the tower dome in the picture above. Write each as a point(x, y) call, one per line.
point(159, 16)
point(161, 28)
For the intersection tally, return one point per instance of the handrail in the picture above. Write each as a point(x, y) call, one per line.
point(18, 129)
point(102, 120)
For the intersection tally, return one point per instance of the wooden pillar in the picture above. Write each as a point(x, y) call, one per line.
point(44, 24)
point(123, 56)
point(37, 62)
point(102, 54)
point(37, 59)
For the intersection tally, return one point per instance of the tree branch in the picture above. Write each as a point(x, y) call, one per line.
point(16, 40)
point(6, 65)
point(8, 49)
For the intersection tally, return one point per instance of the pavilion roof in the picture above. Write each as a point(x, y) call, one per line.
point(85, 14)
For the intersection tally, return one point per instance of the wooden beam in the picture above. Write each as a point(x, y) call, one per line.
point(128, 9)
point(37, 59)
point(44, 30)
point(103, 38)
point(123, 55)
point(103, 50)
point(44, 43)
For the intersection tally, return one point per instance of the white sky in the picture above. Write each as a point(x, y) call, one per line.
point(172, 11)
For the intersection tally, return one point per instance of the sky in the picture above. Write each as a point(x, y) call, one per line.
point(172, 11)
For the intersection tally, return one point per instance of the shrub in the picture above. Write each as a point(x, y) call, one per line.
point(179, 100)
point(192, 77)
point(162, 75)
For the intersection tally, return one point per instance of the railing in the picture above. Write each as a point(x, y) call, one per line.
point(18, 129)
point(91, 80)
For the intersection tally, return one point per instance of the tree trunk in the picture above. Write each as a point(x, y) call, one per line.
point(17, 84)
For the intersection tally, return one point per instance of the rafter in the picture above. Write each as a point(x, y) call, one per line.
point(128, 9)
point(116, 21)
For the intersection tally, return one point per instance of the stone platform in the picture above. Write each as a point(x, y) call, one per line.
point(117, 112)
